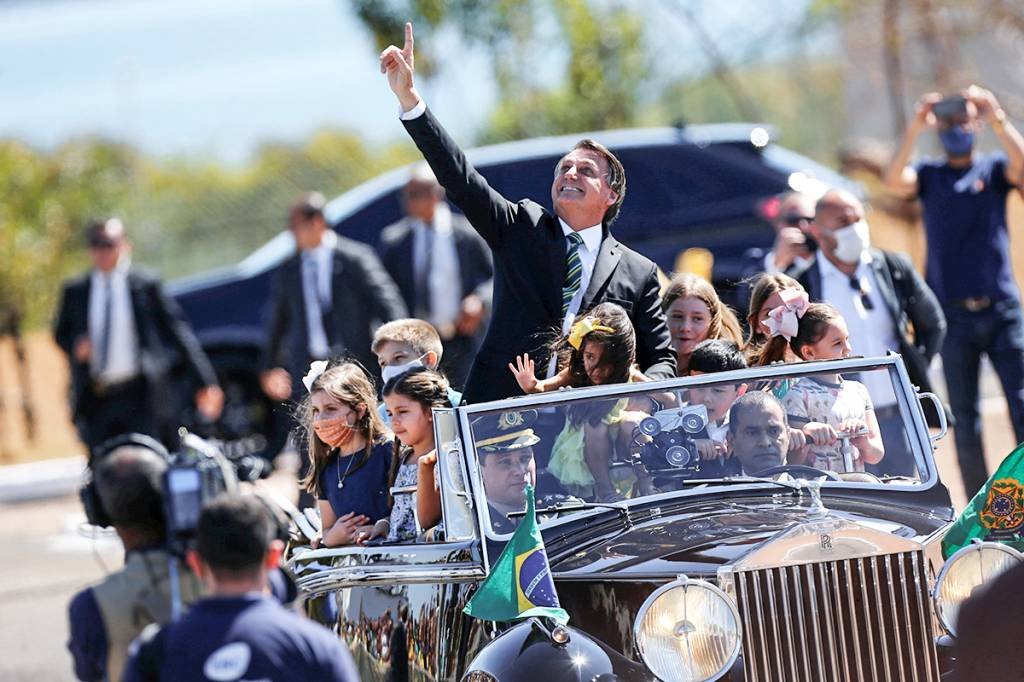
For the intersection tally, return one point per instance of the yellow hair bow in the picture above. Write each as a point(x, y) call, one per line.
point(580, 330)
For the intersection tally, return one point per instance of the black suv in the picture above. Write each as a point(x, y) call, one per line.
point(698, 186)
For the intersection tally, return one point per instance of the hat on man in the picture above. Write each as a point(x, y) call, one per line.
point(511, 430)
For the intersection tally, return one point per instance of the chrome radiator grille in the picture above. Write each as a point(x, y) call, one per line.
point(856, 619)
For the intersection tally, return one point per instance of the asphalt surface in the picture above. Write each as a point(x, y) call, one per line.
point(46, 559)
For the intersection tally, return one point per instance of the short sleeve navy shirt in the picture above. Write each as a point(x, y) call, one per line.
point(249, 637)
point(965, 222)
point(364, 488)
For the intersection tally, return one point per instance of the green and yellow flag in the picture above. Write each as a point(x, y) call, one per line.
point(996, 513)
point(520, 583)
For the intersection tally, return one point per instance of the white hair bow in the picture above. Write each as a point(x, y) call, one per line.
point(315, 370)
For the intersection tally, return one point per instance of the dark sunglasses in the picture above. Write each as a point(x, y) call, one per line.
point(101, 244)
point(794, 219)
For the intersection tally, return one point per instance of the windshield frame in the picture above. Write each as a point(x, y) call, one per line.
point(906, 397)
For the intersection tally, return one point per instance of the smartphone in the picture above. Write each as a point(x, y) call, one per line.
point(951, 107)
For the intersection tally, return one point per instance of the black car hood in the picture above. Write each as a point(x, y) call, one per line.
point(698, 538)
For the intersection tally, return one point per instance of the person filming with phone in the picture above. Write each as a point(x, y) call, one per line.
point(963, 199)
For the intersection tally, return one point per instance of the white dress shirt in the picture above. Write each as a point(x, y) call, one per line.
point(588, 251)
point(443, 277)
point(872, 332)
point(122, 361)
point(317, 294)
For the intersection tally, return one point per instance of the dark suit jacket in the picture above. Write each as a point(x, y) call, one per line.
point(476, 271)
point(158, 323)
point(362, 296)
point(529, 265)
point(917, 317)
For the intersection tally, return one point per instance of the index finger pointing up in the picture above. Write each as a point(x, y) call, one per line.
point(407, 49)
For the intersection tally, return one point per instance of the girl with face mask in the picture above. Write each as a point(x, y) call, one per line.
point(349, 451)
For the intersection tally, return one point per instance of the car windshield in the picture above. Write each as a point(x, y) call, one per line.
point(848, 423)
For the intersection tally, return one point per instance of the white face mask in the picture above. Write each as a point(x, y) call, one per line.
point(391, 371)
point(852, 241)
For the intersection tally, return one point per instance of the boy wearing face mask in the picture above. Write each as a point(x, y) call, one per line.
point(963, 198)
point(401, 345)
point(887, 307)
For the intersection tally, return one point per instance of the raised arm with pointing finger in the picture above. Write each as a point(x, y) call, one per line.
point(549, 265)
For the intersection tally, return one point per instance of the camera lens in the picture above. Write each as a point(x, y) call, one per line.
point(649, 426)
point(678, 456)
point(692, 423)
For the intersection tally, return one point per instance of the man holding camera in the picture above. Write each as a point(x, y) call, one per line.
point(104, 619)
point(963, 197)
point(237, 632)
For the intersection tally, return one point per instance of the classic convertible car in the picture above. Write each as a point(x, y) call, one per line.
point(767, 557)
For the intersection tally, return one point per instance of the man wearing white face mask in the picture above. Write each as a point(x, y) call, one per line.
point(401, 345)
point(886, 305)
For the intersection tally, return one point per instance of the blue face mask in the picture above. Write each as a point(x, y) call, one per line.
point(957, 141)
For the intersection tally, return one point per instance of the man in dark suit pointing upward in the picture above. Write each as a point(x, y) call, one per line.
point(548, 267)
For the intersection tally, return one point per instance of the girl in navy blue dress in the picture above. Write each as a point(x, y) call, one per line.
point(349, 450)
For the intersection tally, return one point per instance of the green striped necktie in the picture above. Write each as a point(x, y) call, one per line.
point(573, 271)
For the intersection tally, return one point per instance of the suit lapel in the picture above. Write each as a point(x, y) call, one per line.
point(607, 260)
point(883, 278)
point(137, 294)
point(85, 291)
point(556, 271)
point(293, 272)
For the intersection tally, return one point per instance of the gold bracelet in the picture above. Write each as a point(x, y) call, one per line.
point(999, 121)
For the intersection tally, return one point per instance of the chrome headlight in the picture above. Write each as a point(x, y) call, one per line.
point(965, 571)
point(688, 631)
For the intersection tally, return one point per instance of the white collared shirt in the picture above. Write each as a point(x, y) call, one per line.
point(443, 277)
point(318, 299)
point(122, 361)
point(872, 332)
point(588, 251)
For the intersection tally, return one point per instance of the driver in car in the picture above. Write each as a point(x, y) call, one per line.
point(504, 445)
point(758, 432)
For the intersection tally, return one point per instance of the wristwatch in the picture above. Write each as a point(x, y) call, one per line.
point(998, 120)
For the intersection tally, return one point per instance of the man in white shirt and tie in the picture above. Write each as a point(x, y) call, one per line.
point(114, 324)
point(541, 256)
point(886, 305)
point(451, 275)
point(326, 301)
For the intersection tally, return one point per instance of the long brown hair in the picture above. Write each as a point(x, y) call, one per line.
point(349, 384)
point(724, 324)
point(424, 386)
point(760, 349)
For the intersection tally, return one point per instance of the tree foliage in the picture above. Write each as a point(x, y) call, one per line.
point(183, 216)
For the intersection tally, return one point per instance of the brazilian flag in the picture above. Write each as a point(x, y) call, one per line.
point(520, 583)
point(996, 514)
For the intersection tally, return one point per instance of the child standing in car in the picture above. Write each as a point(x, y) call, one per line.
point(410, 398)
point(826, 407)
point(349, 451)
point(599, 349)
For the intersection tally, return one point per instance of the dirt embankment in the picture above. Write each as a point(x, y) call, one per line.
point(46, 392)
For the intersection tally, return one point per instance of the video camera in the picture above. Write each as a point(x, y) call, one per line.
point(665, 440)
point(197, 471)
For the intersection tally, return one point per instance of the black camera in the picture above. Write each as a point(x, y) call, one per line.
point(665, 440)
point(951, 108)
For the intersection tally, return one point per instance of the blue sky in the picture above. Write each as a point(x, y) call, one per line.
point(215, 77)
point(209, 77)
